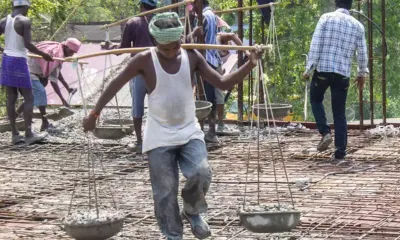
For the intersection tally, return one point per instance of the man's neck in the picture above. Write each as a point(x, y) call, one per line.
point(341, 7)
point(176, 58)
point(343, 10)
point(17, 12)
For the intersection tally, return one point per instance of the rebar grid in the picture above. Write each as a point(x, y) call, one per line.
point(362, 203)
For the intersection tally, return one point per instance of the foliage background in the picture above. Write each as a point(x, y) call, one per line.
point(295, 19)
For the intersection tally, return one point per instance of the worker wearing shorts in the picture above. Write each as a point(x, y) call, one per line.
point(138, 92)
point(136, 34)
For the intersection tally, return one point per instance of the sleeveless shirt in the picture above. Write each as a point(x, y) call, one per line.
point(171, 118)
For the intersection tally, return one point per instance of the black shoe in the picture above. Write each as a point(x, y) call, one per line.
point(200, 228)
point(342, 162)
point(323, 145)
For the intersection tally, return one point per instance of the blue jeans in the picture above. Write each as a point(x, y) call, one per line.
point(164, 164)
point(339, 86)
point(138, 93)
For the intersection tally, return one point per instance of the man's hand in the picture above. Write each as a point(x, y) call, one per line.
point(306, 76)
point(198, 32)
point(89, 123)
point(256, 54)
point(360, 82)
point(108, 44)
point(47, 57)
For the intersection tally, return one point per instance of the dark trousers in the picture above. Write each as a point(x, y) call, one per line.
point(210, 89)
point(339, 86)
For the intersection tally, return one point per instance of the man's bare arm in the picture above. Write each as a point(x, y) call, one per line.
point(27, 35)
point(222, 82)
point(57, 90)
point(231, 37)
point(63, 82)
point(134, 67)
point(2, 30)
point(234, 38)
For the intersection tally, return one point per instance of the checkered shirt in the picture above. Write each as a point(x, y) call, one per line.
point(337, 37)
point(210, 36)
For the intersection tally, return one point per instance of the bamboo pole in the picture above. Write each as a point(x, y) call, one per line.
point(57, 59)
point(239, 9)
point(69, 59)
point(242, 9)
point(157, 10)
point(184, 46)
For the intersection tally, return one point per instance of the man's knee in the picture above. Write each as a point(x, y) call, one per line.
point(205, 174)
point(316, 98)
point(339, 116)
point(12, 99)
point(27, 94)
point(202, 173)
point(165, 191)
point(12, 94)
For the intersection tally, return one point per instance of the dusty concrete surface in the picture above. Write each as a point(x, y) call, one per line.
point(357, 202)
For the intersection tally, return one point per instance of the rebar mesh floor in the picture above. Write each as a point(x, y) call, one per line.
point(357, 202)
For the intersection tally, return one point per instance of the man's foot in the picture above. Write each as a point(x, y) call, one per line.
point(341, 162)
point(225, 130)
point(211, 138)
point(72, 91)
point(34, 138)
point(21, 115)
point(221, 127)
point(48, 127)
point(17, 139)
point(324, 143)
point(200, 228)
point(135, 148)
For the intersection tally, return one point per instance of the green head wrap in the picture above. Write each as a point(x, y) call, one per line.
point(168, 35)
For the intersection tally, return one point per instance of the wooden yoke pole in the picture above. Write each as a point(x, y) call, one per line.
point(157, 10)
point(184, 46)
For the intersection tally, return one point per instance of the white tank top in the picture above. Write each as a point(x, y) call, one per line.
point(14, 43)
point(171, 118)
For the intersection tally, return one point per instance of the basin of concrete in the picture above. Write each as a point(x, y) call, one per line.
point(111, 132)
point(203, 109)
point(269, 222)
point(54, 114)
point(5, 125)
point(97, 230)
point(120, 122)
point(279, 110)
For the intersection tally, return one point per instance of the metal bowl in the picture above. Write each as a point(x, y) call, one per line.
point(111, 132)
point(280, 110)
point(119, 122)
point(203, 109)
point(95, 231)
point(5, 125)
point(59, 114)
point(269, 222)
point(54, 114)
